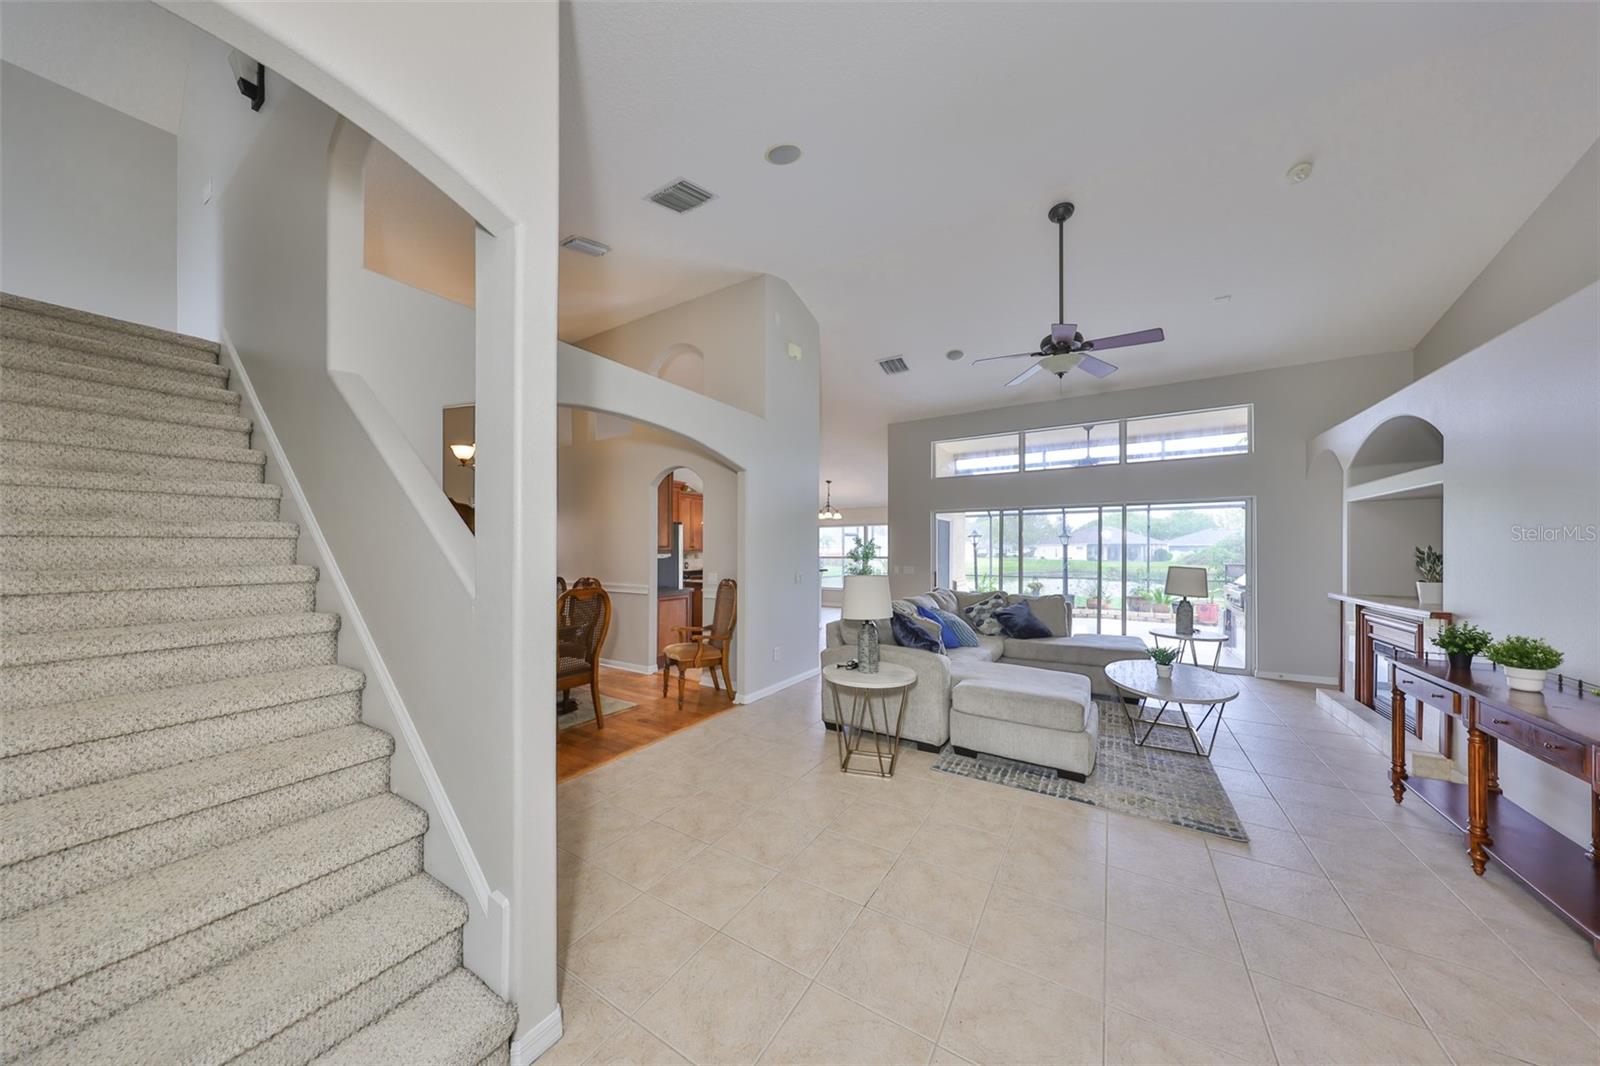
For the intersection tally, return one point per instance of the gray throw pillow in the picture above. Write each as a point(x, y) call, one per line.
point(981, 614)
point(943, 600)
point(1051, 610)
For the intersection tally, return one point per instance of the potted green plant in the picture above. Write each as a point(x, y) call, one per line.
point(1164, 660)
point(1460, 641)
point(1430, 568)
point(1525, 660)
point(860, 558)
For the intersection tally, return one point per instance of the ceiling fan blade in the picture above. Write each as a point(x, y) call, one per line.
point(992, 358)
point(1098, 367)
point(1063, 332)
point(1128, 340)
point(1025, 375)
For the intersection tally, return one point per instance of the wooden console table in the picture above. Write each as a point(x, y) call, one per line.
point(1560, 727)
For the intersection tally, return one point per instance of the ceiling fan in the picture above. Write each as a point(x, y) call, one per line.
point(1065, 349)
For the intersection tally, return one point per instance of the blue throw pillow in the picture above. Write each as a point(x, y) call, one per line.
point(909, 634)
point(1019, 621)
point(946, 635)
point(964, 635)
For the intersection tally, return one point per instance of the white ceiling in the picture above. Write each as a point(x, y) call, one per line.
point(129, 55)
point(936, 135)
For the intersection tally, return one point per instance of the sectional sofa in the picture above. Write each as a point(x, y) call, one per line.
point(1028, 699)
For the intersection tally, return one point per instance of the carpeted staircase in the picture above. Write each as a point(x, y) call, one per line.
point(200, 857)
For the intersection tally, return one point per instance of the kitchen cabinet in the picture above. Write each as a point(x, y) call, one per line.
point(674, 607)
point(677, 502)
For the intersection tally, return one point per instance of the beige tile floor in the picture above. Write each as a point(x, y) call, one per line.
point(727, 896)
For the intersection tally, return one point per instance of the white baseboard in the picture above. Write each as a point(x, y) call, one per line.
point(536, 1041)
point(1305, 679)
point(763, 693)
point(491, 905)
point(628, 668)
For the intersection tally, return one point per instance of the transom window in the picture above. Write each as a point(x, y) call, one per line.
point(1150, 438)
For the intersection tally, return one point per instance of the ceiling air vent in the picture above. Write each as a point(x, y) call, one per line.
point(681, 196)
point(896, 365)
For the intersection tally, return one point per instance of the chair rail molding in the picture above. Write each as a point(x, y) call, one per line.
point(458, 866)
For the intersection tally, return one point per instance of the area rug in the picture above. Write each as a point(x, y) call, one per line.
point(1176, 787)
point(609, 705)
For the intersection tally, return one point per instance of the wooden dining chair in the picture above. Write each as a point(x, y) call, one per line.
point(583, 614)
point(706, 647)
point(561, 584)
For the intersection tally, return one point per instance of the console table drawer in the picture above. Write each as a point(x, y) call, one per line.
point(1428, 691)
point(1537, 741)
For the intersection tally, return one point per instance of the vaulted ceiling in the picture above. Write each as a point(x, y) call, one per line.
point(936, 135)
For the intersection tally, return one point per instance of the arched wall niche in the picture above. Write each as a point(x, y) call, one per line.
point(1402, 443)
point(682, 365)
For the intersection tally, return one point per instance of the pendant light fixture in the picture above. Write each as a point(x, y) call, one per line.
point(828, 514)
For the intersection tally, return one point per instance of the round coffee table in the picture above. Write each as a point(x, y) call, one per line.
point(863, 719)
point(1214, 637)
point(1189, 686)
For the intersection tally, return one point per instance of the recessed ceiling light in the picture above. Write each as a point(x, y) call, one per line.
point(955, 353)
point(781, 155)
point(1224, 298)
point(1299, 172)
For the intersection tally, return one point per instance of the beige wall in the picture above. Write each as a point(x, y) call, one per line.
point(1553, 255)
point(1296, 560)
point(413, 232)
point(726, 327)
point(1521, 510)
point(606, 521)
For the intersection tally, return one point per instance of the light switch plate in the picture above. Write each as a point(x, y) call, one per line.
point(796, 352)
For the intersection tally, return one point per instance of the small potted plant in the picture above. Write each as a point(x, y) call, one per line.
point(1525, 660)
point(1460, 641)
point(1430, 567)
point(1164, 659)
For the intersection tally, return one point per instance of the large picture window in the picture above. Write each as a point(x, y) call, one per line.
point(1111, 562)
point(835, 543)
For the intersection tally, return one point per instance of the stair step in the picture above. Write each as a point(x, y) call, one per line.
point(79, 816)
point(63, 493)
point(44, 409)
point(31, 543)
point(79, 664)
point(358, 960)
point(89, 741)
point(455, 1019)
point(114, 453)
point(46, 343)
point(38, 372)
point(39, 601)
point(53, 944)
point(89, 324)
point(65, 873)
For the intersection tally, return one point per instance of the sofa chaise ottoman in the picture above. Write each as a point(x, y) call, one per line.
point(1044, 717)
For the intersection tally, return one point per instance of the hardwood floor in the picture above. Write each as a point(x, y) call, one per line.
point(583, 747)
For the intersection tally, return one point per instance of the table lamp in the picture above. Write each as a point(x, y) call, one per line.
point(1186, 581)
point(866, 599)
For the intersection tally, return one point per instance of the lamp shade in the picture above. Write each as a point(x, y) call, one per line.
point(1187, 581)
point(866, 597)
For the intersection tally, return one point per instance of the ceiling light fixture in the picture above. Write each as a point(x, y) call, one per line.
point(781, 155)
point(828, 514)
point(586, 245)
point(954, 354)
point(1299, 172)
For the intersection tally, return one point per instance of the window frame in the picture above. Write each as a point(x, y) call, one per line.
point(846, 530)
point(1021, 436)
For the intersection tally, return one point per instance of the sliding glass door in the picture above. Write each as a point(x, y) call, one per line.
point(1112, 561)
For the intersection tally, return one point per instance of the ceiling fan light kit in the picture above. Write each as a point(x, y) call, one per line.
point(1065, 349)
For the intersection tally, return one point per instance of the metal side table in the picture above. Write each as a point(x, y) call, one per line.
point(1189, 686)
point(869, 716)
